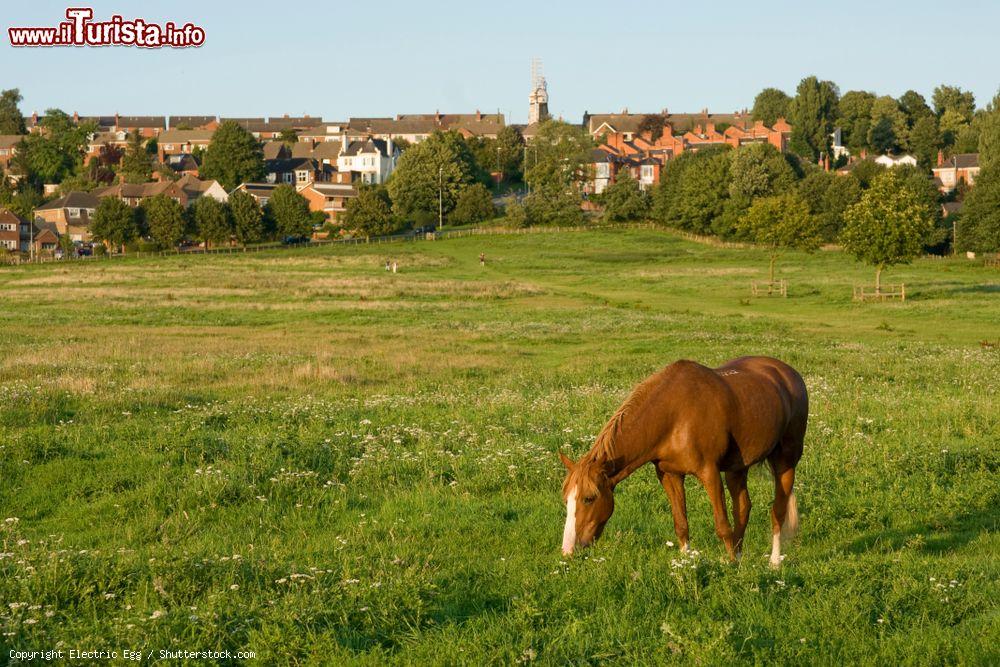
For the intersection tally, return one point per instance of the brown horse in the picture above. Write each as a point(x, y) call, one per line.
point(688, 419)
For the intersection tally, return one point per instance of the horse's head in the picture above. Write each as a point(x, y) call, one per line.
point(590, 500)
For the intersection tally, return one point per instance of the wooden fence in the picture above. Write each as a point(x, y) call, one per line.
point(760, 288)
point(868, 293)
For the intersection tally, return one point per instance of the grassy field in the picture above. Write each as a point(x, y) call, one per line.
point(297, 454)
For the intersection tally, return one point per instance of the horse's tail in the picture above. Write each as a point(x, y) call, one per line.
point(791, 525)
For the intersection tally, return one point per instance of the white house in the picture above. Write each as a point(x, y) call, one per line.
point(896, 160)
point(372, 159)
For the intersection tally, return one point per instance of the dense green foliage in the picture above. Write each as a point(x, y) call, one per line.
point(233, 157)
point(290, 212)
point(136, 164)
point(474, 205)
point(297, 454)
point(164, 220)
point(889, 225)
point(770, 105)
point(213, 222)
point(430, 177)
point(115, 222)
point(11, 120)
point(248, 219)
point(813, 112)
point(624, 200)
point(779, 223)
point(370, 213)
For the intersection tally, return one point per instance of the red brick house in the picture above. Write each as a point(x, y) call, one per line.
point(174, 142)
point(8, 149)
point(329, 198)
point(11, 230)
point(962, 168)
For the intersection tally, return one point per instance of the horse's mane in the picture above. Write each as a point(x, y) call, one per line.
point(606, 445)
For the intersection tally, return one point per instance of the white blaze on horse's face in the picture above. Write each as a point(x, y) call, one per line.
point(569, 531)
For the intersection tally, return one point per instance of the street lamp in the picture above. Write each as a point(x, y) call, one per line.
point(440, 199)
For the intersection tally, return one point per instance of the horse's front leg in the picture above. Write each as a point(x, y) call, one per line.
point(711, 479)
point(673, 484)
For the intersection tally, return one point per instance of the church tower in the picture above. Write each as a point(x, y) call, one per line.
point(538, 101)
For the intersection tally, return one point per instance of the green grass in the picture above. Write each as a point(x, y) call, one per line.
point(296, 454)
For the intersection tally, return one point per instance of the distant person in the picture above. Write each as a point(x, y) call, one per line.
point(482, 259)
point(387, 265)
point(394, 267)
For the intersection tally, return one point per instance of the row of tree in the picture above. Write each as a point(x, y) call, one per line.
point(162, 223)
point(873, 123)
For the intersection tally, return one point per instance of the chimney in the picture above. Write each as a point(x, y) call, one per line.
point(76, 117)
point(437, 116)
point(34, 118)
point(343, 143)
point(479, 115)
point(388, 147)
point(116, 120)
point(710, 128)
point(940, 160)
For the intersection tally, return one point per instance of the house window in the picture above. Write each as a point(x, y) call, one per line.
point(74, 213)
point(602, 170)
point(301, 176)
point(4, 151)
point(647, 172)
point(168, 147)
point(287, 177)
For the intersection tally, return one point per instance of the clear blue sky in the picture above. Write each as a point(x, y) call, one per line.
point(340, 59)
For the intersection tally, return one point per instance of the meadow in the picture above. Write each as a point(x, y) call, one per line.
point(298, 454)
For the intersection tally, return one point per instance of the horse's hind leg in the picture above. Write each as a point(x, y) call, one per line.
point(673, 484)
point(736, 481)
point(784, 513)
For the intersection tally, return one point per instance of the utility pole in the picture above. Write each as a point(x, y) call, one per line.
point(440, 198)
point(499, 173)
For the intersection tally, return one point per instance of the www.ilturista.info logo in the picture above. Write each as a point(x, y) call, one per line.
point(79, 30)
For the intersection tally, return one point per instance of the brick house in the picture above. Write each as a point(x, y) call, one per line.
point(194, 123)
point(8, 149)
point(261, 192)
point(147, 126)
point(329, 198)
point(958, 169)
point(175, 142)
point(11, 230)
point(417, 127)
point(71, 215)
point(134, 194)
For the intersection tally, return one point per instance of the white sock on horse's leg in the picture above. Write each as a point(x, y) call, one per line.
point(776, 549)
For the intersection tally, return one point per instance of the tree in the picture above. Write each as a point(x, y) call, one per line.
point(812, 114)
point(925, 141)
point(981, 211)
point(288, 136)
point(291, 212)
point(558, 156)
point(114, 223)
point(889, 131)
point(503, 155)
point(212, 220)
point(854, 116)
point(370, 213)
point(770, 105)
point(953, 98)
point(888, 226)
point(11, 120)
point(914, 107)
point(57, 151)
point(164, 219)
point(653, 124)
point(759, 170)
point(234, 156)
point(881, 137)
point(624, 200)
point(515, 215)
point(248, 219)
point(474, 205)
point(779, 223)
point(828, 196)
point(430, 175)
point(136, 165)
point(703, 192)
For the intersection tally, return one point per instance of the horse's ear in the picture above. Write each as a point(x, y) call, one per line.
point(566, 461)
